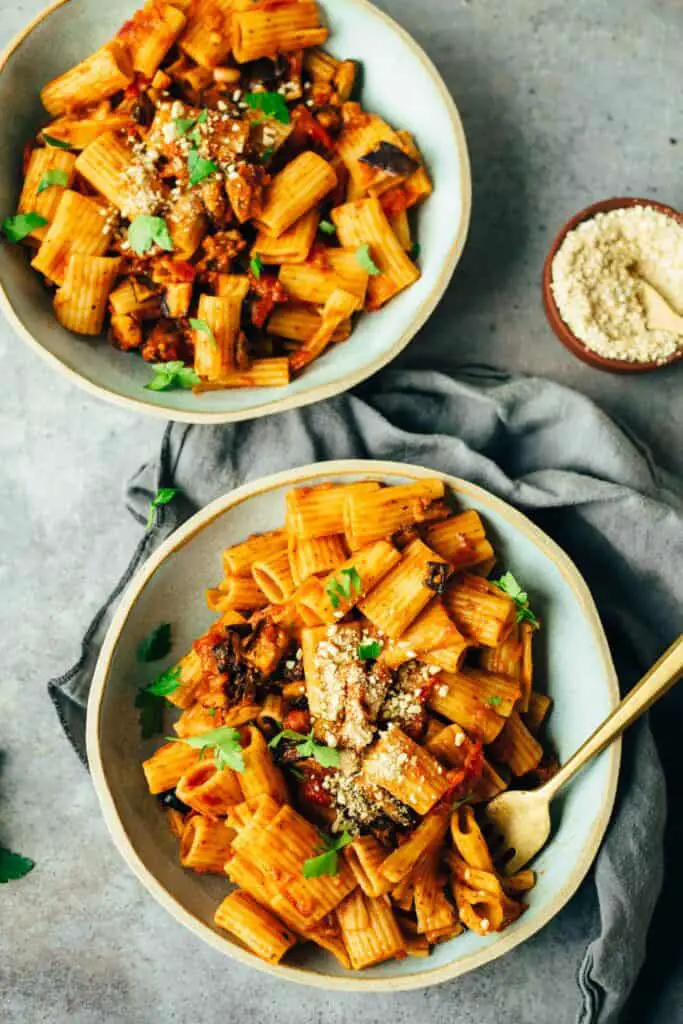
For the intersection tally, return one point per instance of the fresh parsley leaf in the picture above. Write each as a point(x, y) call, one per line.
point(157, 644)
point(256, 266)
point(53, 177)
point(16, 228)
point(172, 376)
point(183, 125)
point(151, 709)
point(225, 742)
point(162, 497)
point(351, 579)
point(308, 746)
point(327, 227)
point(511, 587)
point(165, 684)
point(13, 866)
point(327, 863)
point(495, 700)
point(293, 770)
point(50, 140)
point(366, 652)
point(267, 153)
point(146, 231)
point(203, 116)
point(150, 701)
point(201, 325)
point(198, 167)
point(459, 803)
point(414, 250)
point(272, 104)
point(366, 261)
point(341, 588)
point(212, 712)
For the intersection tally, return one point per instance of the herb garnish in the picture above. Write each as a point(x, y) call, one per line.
point(157, 644)
point(225, 742)
point(414, 250)
point(368, 651)
point(256, 266)
point(272, 104)
point(13, 866)
point(327, 863)
point(150, 701)
point(366, 261)
point(327, 227)
point(18, 227)
point(495, 700)
point(308, 746)
point(187, 126)
point(337, 589)
point(50, 140)
point(201, 325)
point(511, 587)
point(267, 153)
point(162, 497)
point(171, 376)
point(53, 177)
point(199, 168)
point(146, 231)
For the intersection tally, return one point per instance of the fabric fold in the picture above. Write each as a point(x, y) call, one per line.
point(543, 448)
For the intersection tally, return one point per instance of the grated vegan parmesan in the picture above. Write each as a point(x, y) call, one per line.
point(595, 281)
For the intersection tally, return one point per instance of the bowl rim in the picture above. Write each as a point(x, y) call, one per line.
point(320, 391)
point(182, 536)
point(564, 333)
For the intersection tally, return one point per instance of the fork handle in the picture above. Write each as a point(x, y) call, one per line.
point(654, 684)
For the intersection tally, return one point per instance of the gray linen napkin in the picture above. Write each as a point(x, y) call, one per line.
point(543, 448)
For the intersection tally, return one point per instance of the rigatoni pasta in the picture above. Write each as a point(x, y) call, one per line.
point(222, 145)
point(325, 761)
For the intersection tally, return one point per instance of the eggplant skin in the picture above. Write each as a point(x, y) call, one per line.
point(388, 157)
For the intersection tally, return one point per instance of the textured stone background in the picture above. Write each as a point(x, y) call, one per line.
point(562, 104)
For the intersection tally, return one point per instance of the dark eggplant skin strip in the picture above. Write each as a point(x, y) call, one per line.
point(388, 157)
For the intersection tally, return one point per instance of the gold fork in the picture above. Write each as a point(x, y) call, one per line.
point(522, 819)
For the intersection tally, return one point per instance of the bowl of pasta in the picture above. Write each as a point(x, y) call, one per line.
point(214, 219)
point(305, 701)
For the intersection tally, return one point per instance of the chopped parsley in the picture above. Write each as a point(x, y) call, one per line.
point(146, 231)
point(157, 644)
point(172, 376)
point(187, 126)
point(53, 177)
point(368, 651)
point(341, 588)
point(272, 104)
point(366, 261)
point(54, 143)
point(17, 228)
point(201, 325)
point(327, 863)
point(267, 153)
point(495, 700)
point(511, 587)
point(414, 250)
point(199, 168)
point(308, 746)
point(327, 227)
point(150, 701)
point(13, 866)
point(225, 742)
point(256, 266)
point(162, 497)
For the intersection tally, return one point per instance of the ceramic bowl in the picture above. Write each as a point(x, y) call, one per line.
point(563, 332)
point(399, 82)
point(573, 658)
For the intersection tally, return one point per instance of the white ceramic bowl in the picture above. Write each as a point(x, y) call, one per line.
point(572, 657)
point(399, 82)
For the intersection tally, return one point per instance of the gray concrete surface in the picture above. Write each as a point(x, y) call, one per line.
point(562, 104)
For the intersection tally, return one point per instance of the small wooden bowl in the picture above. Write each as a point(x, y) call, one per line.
point(563, 332)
